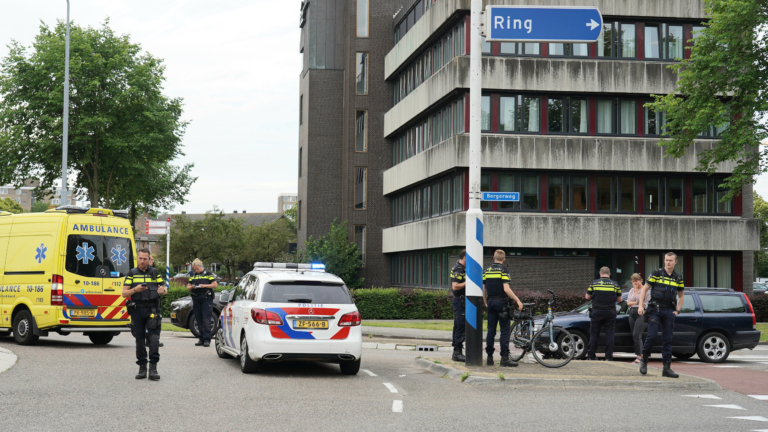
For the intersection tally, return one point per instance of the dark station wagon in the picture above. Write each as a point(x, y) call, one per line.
point(711, 323)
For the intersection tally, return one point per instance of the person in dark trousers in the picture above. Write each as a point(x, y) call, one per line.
point(637, 324)
point(496, 290)
point(667, 287)
point(144, 287)
point(152, 265)
point(458, 284)
point(604, 293)
point(201, 285)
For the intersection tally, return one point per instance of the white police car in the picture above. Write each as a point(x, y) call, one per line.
point(282, 312)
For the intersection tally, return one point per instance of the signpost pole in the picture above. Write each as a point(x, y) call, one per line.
point(474, 225)
point(168, 255)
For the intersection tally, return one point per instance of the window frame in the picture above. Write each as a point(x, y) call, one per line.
point(366, 57)
point(362, 253)
point(364, 189)
point(365, 130)
point(367, 19)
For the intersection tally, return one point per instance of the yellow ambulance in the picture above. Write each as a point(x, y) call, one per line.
point(63, 271)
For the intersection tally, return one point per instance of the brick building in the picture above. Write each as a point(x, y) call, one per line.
point(24, 195)
point(286, 201)
point(384, 145)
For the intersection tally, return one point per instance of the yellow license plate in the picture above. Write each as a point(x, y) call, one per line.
point(305, 324)
point(85, 313)
point(173, 315)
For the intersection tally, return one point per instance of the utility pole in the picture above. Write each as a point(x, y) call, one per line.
point(64, 199)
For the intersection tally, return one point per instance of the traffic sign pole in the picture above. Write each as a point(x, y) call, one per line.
point(168, 257)
point(474, 226)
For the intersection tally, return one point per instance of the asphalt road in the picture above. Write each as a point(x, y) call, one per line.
point(66, 383)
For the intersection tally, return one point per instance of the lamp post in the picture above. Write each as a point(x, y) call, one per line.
point(66, 117)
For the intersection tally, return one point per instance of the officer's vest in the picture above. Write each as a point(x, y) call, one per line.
point(665, 286)
point(149, 279)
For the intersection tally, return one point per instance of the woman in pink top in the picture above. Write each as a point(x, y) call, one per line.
point(637, 324)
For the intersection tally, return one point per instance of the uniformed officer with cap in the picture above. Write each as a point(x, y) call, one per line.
point(201, 285)
point(496, 290)
point(604, 293)
point(458, 284)
point(144, 287)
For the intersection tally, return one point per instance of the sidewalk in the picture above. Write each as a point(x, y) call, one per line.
point(7, 359)
point(409, 333)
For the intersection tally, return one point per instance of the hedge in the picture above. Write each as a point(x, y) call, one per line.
point(402, 303)
point(760, 305)
point(176, 291)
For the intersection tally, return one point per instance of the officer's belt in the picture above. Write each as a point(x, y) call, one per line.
point(498, 297)
point(146, 303)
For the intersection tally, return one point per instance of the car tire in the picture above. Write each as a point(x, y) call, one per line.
point(713, 347)
point(100, 338)
point(351, 367)
point(219, 345)
point(246, 364)
point(22, 328)
point(193, 325)
point(580, 341)
point(683, 356)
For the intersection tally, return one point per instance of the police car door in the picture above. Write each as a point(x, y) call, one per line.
point(241, 306)
point(83, 268)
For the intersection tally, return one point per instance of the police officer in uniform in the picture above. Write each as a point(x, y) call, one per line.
point(144, 287)
point(201, 285)
point(458, 284)
point(604, 293)
point(496, 290)
point(667, 288)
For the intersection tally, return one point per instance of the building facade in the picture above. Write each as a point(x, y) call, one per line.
point(286, 201)
point(25, 197)
point(563, 124)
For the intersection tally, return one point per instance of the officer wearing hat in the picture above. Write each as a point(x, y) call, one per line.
point(144, 287)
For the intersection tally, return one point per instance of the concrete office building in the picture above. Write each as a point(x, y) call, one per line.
point(563, 124)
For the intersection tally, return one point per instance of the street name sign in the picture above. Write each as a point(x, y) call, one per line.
point(501, 196)
point(156, 224)
point(542, 24)
point(156, 231)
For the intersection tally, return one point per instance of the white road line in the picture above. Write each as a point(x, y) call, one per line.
point(390, 387)
point(753, 418)
point(397, 406)
point(760, 397)
point(368, 372)
point(705, 396)
point(736, 407)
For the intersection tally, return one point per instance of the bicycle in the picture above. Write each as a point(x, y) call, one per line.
point(551, 352)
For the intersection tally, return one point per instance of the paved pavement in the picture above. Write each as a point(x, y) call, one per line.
point(67, 383)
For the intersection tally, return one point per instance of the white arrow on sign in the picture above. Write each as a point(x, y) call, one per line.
point(592, 24)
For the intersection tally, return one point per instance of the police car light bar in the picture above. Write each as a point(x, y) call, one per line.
point(293, 266)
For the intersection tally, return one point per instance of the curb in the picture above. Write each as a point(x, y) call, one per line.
point(399, 347)
point(7, 359)
point(373, 334)
point(455, 374)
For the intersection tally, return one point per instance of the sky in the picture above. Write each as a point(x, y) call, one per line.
point(236, 64)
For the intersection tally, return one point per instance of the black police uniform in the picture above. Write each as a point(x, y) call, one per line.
point(458, 275)
point(202, 302)
point(664, 292)
point(146, 317)
point(604, 292)
point(494, 279)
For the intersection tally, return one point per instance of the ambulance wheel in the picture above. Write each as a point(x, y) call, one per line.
point(246, 364)
point(22, 328)
point(100, 338)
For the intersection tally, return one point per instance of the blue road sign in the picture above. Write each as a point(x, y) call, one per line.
point(501, 196)
point(543, 24)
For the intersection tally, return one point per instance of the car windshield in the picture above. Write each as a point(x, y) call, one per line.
point(306, 292)
point(583, 308)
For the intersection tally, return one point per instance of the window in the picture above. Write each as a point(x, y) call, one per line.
point(360, 242)
point(673, 42)
point(18, 191)
point(361, 133)
point(317, 292)
point(301, 110)
point(485, 108)
point(3, 191)
point(628, 40)
point(617, 40)
point(301, 150)
point(712, 303)
point(712, 271)
point(606, 42)
point(567, 193)
point(605, 123)
point(84, 255)
point(362, 72)
point(628, 117)
point(567, 115)
point(486, 46)
point(458, 193)
point(617, 115)
point(435, 199)
point(298, 215)
point(652, 197)
point(507, 113)
point(652, 38)
point(55, 201)
point(655, 122)
point(617, 194)
point(675, 195)
point(360, 188)
point(568, 50)
point(362, 18)
point(446, 196)
point(530, 117)
point(485, 186)
point(689, 306)
point(525, 183)
point(113, 259)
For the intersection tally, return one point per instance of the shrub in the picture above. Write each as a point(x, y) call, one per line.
point(760, 305)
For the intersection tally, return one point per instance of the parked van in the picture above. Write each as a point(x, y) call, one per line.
point(63, 271)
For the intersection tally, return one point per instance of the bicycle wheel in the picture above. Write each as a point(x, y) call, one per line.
point(553, 354)
point(518, 340)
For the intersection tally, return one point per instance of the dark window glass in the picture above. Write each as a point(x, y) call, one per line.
point(425, 200)
point(118, 256)
point(579, 116)
point(721, 303)
point(411, 18)
point(361, 144)
point(84, 255)
point(653, 195)
point(362, 73)
point(579, 193)
point(530, 192)
point(485, 111)
point(604, 193)
point(507, 113)
point(305, 292)
point(507, 183)
point(360, 188)
point(485, 186)
point(722, 207)
point(360, 241)
point(675, 195)
point(605, 43)
point(435, 199)
point(419, 9)
point(446, 196)
point(627, 194)
point(555, 193)
point(555, 115)
point(701, 197)
point(531, 114)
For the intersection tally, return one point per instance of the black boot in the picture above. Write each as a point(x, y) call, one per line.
point(489, 361)
point(668, 372)
point(644, 365)
point(142, 372)
point(458, 356)
point(153, 375)
point(506, 362)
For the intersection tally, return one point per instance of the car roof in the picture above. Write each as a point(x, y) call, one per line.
point(289, 275)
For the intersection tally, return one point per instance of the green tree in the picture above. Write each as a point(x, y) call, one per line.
point(291, 216)
point(11, 206)
point(267, 243)
point(729, 57)
point(760, 212)
point(339, 255)
point(39, 206)
point(123, 131)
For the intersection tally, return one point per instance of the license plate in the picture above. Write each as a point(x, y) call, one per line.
point(85, 313)
point(305, 324)
point(173, 315)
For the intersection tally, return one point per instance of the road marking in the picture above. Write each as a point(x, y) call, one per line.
point(707, 396)
point(727, 366)
point(760, 397)
point(397, 406)
point(753, 418)
point(391, 387)
point(368, 372)
point(691, 362)
point(736, 407)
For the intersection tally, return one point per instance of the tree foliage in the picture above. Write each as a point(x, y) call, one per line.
point(725, 81)
point(340, 256)
point(11, 206)
point(760, 212)
point(38, 207)
point(123, 132)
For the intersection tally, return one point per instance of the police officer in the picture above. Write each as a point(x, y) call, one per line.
point(201, 285)
point(667, 288)
point(152, 265)
point(144, 287)
point(495, 293)
point(604, 293)
point(458, 284)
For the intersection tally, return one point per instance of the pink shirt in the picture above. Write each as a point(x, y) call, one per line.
point(635, 296)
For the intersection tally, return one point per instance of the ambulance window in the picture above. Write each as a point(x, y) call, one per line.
point(83, 255)
point(118, 256)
